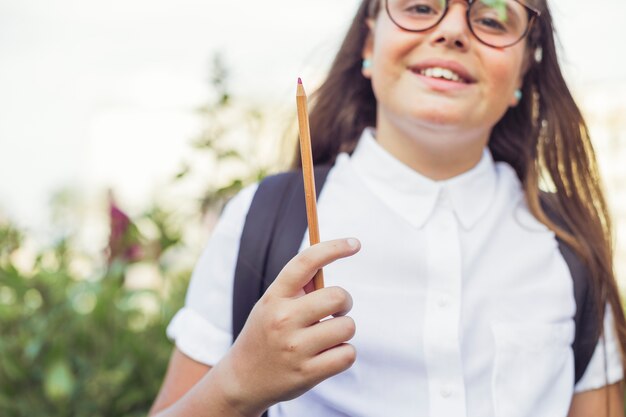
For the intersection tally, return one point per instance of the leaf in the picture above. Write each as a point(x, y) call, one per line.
point(11, 369)
point(59, 381)
point(229, 153)
point(33, 347)
point(183, 172)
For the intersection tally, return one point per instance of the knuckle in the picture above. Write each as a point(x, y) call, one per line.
point(344, 358)
point(304, 262)
point(347, 357)
point(266, 300)
point(335, 295)
point(349, 326)
point(306, 370)
point(338, 296)
point(279, 321)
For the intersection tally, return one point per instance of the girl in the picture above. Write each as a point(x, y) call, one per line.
point(441, 120)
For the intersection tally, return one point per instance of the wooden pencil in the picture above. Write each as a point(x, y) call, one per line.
point(307, 174)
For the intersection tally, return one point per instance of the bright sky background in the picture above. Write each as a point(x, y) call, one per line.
point(98, 93)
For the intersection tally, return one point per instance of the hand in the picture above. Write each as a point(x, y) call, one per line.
point(284, 348)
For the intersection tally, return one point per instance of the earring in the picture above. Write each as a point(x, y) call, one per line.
point(538, 54)
point(518, 94)
point(367, 63)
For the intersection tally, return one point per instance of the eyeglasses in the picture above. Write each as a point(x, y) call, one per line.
point(496, 23)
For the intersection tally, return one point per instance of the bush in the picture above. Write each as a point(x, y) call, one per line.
point(78, 347)
point(84, 344)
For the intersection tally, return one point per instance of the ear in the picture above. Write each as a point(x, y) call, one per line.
point(368, 47)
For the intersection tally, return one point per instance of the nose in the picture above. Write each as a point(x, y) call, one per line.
point(453, 31)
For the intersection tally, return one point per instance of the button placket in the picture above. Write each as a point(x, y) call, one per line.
point(442, 320)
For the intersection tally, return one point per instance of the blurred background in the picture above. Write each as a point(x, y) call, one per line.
point(125, 125)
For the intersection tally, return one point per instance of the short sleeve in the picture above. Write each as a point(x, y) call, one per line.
point(202, 329)
point(607, 351)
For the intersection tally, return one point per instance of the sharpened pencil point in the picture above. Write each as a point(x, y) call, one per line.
point(299, 80)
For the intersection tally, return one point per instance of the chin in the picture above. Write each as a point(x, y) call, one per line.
point(438, 118)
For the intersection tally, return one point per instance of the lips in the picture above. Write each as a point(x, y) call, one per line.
point(443, 69)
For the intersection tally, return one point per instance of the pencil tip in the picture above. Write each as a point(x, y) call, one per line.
point(299, 80)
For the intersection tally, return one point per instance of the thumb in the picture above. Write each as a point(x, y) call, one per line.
point(300, 270)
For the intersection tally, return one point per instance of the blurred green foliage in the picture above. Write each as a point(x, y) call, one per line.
point(231, 135)
point(75, 339)
point(72, 346)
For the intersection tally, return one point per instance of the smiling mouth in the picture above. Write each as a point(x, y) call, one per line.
point(442, 74)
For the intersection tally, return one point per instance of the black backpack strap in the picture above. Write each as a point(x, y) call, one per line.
point(272, 233)
point(588, 327)
point(587, 323)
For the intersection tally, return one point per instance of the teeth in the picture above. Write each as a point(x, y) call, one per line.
point(438, 72)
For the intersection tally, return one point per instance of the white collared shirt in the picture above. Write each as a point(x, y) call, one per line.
point(463, 302)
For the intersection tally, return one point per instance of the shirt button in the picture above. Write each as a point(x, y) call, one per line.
point(443, 302)
point(446, 392)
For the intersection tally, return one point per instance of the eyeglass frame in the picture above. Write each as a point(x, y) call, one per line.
point(533, 15)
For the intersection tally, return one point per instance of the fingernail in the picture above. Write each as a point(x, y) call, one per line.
point(353, 243)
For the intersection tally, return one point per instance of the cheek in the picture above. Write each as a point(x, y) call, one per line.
point(392, 51)
point(503, 76)
point(503, 73)
point(383, 72)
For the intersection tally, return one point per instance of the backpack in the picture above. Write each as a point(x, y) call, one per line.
point(278, 210)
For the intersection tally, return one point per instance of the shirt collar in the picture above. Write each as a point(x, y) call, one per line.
point(414, 196)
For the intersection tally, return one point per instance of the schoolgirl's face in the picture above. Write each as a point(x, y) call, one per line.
point(443, 76)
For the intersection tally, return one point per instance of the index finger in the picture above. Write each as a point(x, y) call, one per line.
point(300, 270)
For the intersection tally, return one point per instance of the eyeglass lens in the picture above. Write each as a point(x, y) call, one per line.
point(495, 22)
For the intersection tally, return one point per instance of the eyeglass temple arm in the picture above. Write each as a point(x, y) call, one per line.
point(529, 7)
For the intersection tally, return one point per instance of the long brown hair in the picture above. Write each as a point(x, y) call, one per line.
point(545, 139)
